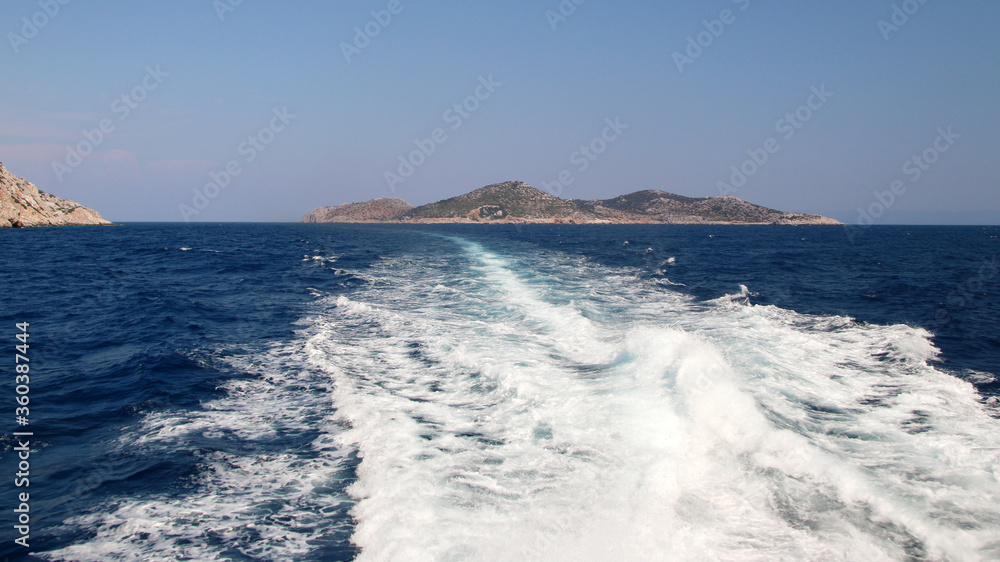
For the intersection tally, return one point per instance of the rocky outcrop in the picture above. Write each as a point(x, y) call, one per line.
point(804, 219)
point(516, 201)
point(377, 210)
point(488, 213)
point(23, 205)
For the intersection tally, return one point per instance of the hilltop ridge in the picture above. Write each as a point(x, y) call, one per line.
point(518, 202)
point(376, 210)
point(512, 200)
point(655, 206)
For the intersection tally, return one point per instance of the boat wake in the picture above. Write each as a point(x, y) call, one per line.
point(529, 405)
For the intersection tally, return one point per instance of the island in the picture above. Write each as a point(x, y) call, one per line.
point(23, 205)
point(518, 202)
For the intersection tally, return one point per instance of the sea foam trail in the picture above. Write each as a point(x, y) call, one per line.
point(559, 410)
point(513, 404)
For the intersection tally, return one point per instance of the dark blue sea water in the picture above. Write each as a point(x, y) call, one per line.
point(331, 392)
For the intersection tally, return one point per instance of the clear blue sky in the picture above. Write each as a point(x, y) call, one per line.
point(892, 89)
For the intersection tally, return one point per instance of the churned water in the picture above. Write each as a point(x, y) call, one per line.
point(332, 392)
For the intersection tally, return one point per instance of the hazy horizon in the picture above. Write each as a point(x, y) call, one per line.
point(887, 107)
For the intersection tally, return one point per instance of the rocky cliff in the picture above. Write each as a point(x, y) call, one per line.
point(23, 205)
point(516, 201)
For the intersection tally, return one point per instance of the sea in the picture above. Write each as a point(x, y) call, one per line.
point(500, 392)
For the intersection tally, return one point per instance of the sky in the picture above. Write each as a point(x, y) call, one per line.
point(869, 111)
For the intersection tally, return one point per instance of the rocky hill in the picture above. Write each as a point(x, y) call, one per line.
point(502, 201)
point(656, 206)
point(23, 205)
point(516, 201)
point(376, 210)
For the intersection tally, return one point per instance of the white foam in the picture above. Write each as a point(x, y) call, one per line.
point(978, 377)
point(270, 506)
point(519, 405)
point(556, 410)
